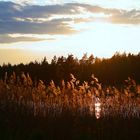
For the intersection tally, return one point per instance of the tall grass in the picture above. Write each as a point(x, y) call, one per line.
point(21, 94)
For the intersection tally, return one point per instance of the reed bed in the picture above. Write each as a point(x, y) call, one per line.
point(21, 94)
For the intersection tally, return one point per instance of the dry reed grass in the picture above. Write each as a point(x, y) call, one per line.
point(37, 99)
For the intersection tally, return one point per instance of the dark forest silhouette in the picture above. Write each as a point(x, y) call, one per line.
point(112, 71)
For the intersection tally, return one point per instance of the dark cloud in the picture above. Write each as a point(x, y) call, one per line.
point(10, 9)
point(45, 11)
point(51, 27)
point(11, 12)
point(8, 39)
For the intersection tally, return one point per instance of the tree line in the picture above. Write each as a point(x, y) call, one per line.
point(110, 71)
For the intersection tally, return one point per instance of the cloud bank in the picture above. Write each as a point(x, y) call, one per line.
point(57, 19)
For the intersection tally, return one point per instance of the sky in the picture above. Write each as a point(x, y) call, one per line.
point(32, 29)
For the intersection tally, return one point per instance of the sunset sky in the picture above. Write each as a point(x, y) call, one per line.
point(32, 29)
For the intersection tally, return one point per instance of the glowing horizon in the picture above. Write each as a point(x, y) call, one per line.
point(36, 29)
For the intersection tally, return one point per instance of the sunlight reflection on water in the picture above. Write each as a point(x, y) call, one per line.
point(97, 108)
